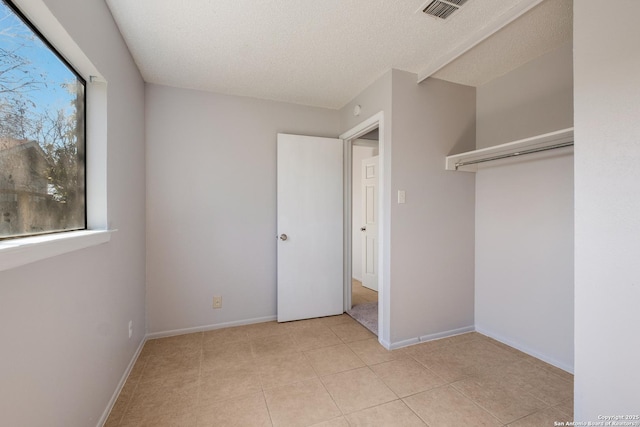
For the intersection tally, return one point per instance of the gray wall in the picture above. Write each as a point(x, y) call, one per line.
point(524, 213)
point(432, 234)
point(524, 256)
point(211, 197)
point(607, 208)
point(428, 274)
point(534, 99)
point(375, 99)
point(64, 320)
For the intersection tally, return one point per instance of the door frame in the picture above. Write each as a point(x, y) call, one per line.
point(373, 122)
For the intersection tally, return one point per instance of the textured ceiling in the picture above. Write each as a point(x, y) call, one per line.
point(320, 53)
point(539, 31)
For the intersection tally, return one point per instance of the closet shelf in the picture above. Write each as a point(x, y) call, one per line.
point(468, 162)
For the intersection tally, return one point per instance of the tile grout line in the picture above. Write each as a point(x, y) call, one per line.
point(324, 386)
point(485, 409)
point(416, 414)
point(266, 405)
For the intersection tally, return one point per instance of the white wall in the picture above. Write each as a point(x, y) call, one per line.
point(607, 209)
point(533, 99)
point(524, 213)
point(359, 154)
point(64, 320)
point(211, 198)
point(428, 273)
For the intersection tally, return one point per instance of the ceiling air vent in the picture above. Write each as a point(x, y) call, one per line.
point(458, 2)
point(443, 9)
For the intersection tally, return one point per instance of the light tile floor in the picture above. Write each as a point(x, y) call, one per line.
point(332, 372)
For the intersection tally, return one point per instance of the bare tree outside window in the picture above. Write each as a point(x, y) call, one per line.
point(42, 111)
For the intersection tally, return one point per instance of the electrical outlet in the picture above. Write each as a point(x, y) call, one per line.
point(217, 302)
point(130, 328)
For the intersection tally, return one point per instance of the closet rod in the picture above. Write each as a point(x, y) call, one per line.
point(517, 153)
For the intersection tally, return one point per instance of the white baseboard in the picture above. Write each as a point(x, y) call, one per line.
point(430, 337)
point(449, 333)
point(526, 349)
point(385, 344)
point(403, 343)
point(210, 327)
point(123, 380)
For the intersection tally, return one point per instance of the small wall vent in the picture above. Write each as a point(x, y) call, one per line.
point(443, 8)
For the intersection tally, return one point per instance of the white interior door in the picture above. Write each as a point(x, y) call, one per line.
point(370, 223)
point(310, 227)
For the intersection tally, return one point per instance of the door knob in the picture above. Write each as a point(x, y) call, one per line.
point(283, 237)
point(363, 228)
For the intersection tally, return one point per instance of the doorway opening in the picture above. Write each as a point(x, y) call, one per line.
point(352, 225)
point(364, 230)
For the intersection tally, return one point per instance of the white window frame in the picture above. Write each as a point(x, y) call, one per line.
point(24, 250)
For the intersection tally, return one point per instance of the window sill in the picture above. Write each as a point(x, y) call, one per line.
point(17, 252)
